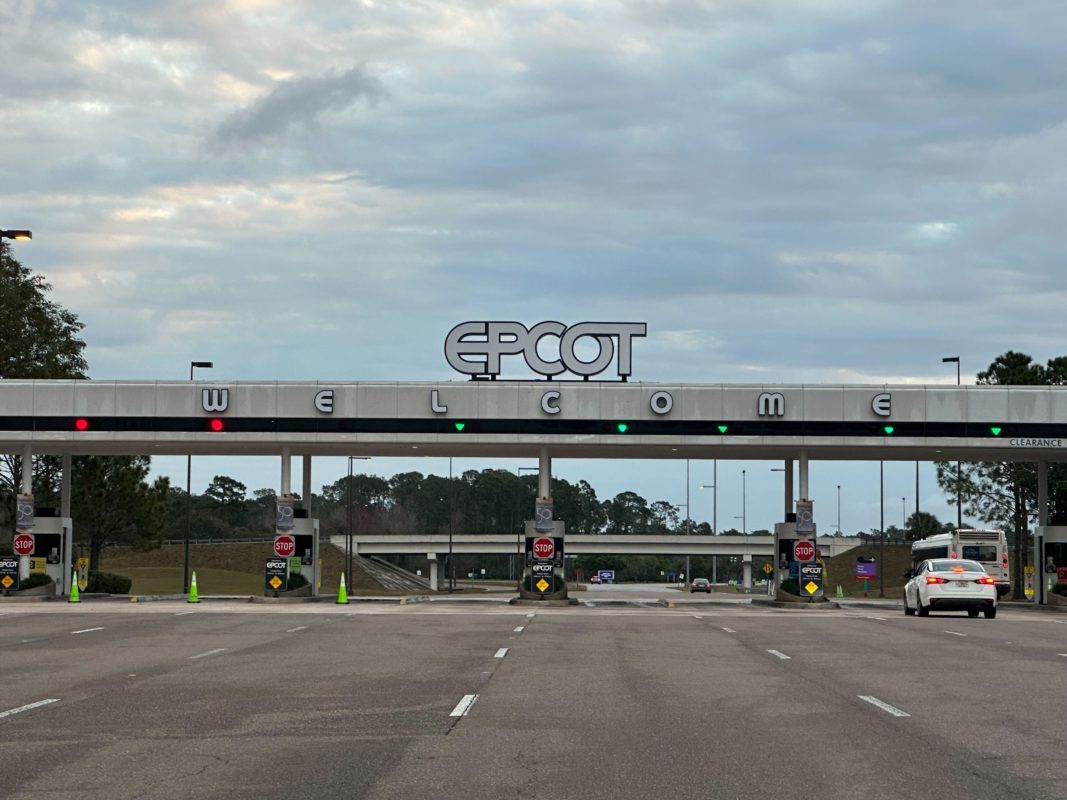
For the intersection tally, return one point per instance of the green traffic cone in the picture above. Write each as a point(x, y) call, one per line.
point(74, 597)
point(342, 593)
point(194, 596)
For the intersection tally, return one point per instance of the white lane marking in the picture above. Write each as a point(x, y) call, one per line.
point(183, 613)
point(12, 711)
point(782, 656)
point(697, 616)
point(208, 653)
point(298, 628)
point(729, 630)
point(954, 633)
point(880, 619)
point(874, 701)
point(464, 705)
point(529, 616)
point(519, 629)
point(503, 651)
point(87, 630)
point(1062, 654)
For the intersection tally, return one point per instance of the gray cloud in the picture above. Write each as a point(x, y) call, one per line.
point(299, 102)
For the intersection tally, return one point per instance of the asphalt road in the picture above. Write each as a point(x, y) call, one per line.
point(484, 700)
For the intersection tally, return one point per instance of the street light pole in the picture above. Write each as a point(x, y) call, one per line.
point(688, 574)
point(959, 473)
point(348, 516)
point(451, 515)
point(744, 505)
point(188, 487)
point(839, 508)
point(522, 527)
point(881, 528)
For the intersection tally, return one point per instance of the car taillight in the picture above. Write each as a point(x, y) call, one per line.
point(987, 580)
point(934, 579)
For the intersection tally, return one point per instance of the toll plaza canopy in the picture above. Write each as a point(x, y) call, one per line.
point(497, 418)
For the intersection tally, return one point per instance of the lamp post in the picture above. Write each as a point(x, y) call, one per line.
point(714, 486)
point(839, 508)
point(903, 515)
point(348, 516)
point(744, 505)
point(522, 531)
point(21, 235)
point(188, 486)
point(959, 473)
point(881, 528)
point(451, 515)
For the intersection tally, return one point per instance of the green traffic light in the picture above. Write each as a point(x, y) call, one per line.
point(621, 427)
point(996, 431)
point(460, 426)
point(722, 429)
point(888, 430)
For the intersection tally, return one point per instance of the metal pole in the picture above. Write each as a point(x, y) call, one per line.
point(839, 508)
point(688, 574)
point(744, 521)
point(715, 497)
point(959, 472)
point(881, 528)
point(188, 487)
point(348, 524)
point(451, 515)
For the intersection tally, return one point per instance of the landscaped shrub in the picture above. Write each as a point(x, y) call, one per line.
point(1060, 588)
point(791, 586)
point(34, 580)
point(297, 581)
point(108, 583)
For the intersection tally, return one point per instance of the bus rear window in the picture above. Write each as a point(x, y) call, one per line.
point(979, 552)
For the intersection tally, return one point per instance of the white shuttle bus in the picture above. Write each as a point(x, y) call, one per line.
point(989, 548)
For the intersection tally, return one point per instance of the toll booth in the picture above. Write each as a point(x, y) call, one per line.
point(1052, 567)
point(542, 575)
point(52, 547)
point(306, 559)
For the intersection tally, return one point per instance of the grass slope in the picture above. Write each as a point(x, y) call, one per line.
point(892, 563)
point(222, 569)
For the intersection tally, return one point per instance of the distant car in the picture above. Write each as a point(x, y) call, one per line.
point(950, 584)
point(594, 579)
point(700, 585)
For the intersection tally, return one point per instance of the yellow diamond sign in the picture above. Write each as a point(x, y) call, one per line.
point(542, 584)
point(768, 568)
point(275, 581)
point(6, 581)
point(812, 587)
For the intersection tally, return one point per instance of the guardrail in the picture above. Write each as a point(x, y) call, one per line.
point(223, 540)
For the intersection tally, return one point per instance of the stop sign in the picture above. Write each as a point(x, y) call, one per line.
point(543, 547)
point(284, 546)
point(23, 544)
point(804, 551)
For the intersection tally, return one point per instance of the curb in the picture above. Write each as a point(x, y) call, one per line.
point(825, 606)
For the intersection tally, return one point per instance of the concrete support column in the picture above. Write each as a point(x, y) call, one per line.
point(64, 487)
point(287, 471)
point(1042, 521)
point(67, 548)
point(746, 571)
point(27, 470)
point(788, 478)
point(804, 475)
point(306, 487)
point(434, 585)
point(544, 475)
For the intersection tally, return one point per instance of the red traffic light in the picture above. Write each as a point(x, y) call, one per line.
point(81, 424)
point(216, 425)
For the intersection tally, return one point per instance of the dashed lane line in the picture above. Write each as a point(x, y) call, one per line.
point(874, 701)
point(729, 630)
point(208, 653)
point(13, 711)
point(955, 633)
point(183, 613)
point(519, 629)
point(298, 628)
point(464, 705)
point(87, 630)
point(503, 651)
point(780, 655)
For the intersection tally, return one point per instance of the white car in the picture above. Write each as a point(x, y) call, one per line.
point(950, 584)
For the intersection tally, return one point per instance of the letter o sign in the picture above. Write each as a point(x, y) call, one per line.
point(661, 402)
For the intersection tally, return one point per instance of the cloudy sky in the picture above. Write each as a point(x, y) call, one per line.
point(797, 190)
